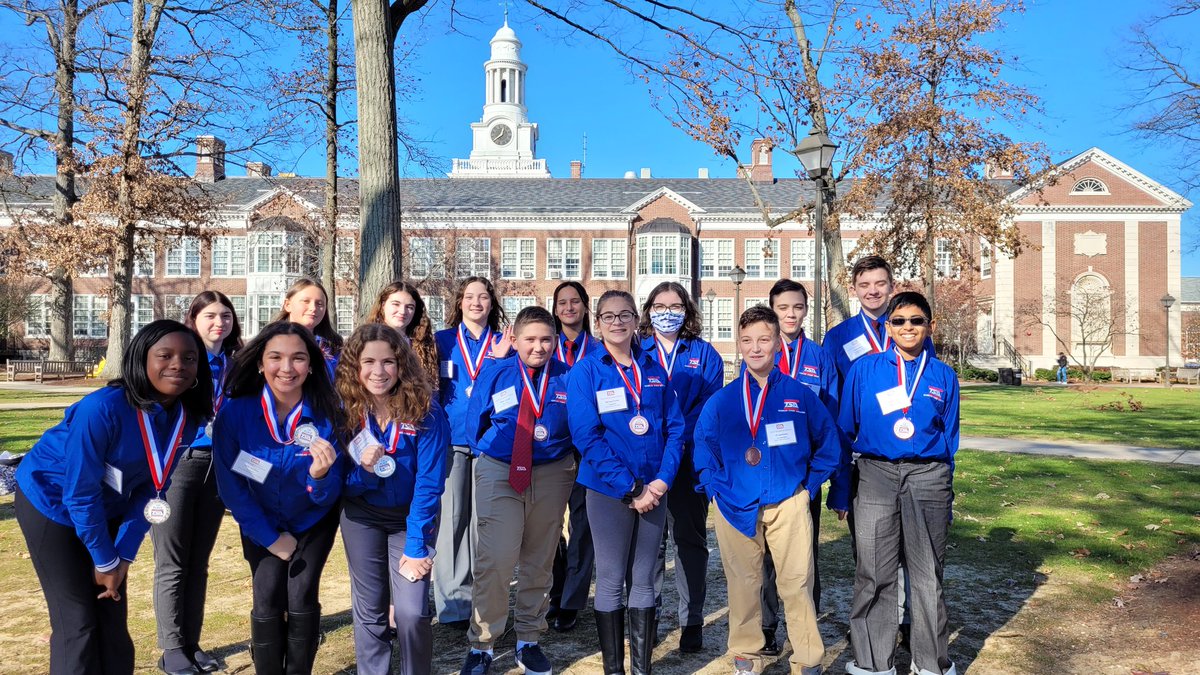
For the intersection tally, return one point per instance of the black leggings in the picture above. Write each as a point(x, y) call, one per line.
point(291, 585)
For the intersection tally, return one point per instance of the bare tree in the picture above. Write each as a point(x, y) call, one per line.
point(1085, 320)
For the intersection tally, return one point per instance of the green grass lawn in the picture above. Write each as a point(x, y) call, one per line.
point(20, 429)
point(1149, 417)
point(40, 396)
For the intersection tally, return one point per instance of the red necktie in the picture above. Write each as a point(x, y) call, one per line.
point(570, 353)
point(520, 469)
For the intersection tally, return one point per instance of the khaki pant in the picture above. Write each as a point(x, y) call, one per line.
point(515, 532)
point(787, 529)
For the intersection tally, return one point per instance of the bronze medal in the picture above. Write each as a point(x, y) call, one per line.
point(753, 456)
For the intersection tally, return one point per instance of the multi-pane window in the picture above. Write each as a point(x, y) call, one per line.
point(143, 258)
point(716, 258)
point(345, 314)
point(985, 259)
point(664, 254)
point(762, 258)
point(849, 255)
point(473, 256)
point(609, 258)
point(37, 325)
point(263, 306)
point(183, 258)
point(436, 306)
point(515, 303)
point(427, 257)
point(239, 308)
point(229, 257)
point(564, 258)
point(518, 258)
point(718, 319)
point(345, 264)
point(142, 311)
point(176, 306)
point(803, 258)
point(89, 316)
point(752, 302)
point(945, 258)
point(278, 253)
point(99, 271)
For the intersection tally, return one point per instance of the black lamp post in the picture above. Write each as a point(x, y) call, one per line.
point(737, 275)
point(711, 297)
point(1167, 300)
point(815, 152)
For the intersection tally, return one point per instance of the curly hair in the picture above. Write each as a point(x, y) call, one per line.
point(324, 328)
point(691, 329)
point(409, 399)
point(497, 318)
point(419, 329)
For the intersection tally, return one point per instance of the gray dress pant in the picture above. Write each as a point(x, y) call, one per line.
point(900, 504)
point(627, 545)
point(455, 542)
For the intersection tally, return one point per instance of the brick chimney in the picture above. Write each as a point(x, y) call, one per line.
point(576, 169)
point(993, 171)
point(258, 169)
point(6, 163)
point(210, 159)
point(760, 161)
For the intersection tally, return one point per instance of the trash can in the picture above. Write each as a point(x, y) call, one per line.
point(1016, 377)
point(1006, 375)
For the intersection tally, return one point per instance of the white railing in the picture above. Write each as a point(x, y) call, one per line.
point(492, 167)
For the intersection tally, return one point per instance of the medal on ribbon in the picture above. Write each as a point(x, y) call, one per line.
point(904, 429)
point(580, 345)
point(667, 363)
point(537, 397)
point(291, 422)
point(157, 510)
point(754, 412)
point(474, 364)
point(637, 424)
point(876, 348)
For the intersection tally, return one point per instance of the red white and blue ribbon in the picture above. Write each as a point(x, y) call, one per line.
point(668, 364)
point(476, 363)
point(787, 362)
point(219, 384)
point(580, 344)
point(538, 397)
point(158, 466)
point(753, 412)
point(290, 422)
point(635, 389)
point(901, 376)
point(873, 338)
point(391, 435)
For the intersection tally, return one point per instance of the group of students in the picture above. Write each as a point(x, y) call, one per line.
point(449, 461)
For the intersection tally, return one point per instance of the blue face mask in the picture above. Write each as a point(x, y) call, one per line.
point(667, 322)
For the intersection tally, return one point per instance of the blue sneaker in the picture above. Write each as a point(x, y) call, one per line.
point(477, 663)
point(533, 662)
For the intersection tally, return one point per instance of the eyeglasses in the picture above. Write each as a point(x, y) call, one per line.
point(609, 318)
point(678, 309)
point(899, 321)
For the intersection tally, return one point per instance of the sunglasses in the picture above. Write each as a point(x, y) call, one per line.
point(914, 320)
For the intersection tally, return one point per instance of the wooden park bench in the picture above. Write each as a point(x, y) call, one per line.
point(1188, 375)
point(1130, 375)
point(42, 368)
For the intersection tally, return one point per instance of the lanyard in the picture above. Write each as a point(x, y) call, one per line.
point(391, 434)
point(581, 344)
point(290, 422)
point(901, 376)
point(874, 339)
point(219, 384)
point(669, 365)
point(159, 468)
point(753, 413)
point(787, 363)
point(474, 364)
point(634, 389)
point(539, 397)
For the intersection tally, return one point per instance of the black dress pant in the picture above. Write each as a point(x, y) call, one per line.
point(87, 636)
point(575, 561)
point(687, 523)
point(182, 547)
point(291, 585)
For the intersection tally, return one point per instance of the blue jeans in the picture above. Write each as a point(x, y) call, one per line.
point(1062, 374)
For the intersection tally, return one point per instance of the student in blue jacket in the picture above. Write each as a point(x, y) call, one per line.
point(183, 544)
point(764, 443)
point(670, 331)
point(307, 303)
point(474, 340)
point(900, 410)
point(575, 560)
point(392, 491)
point(400, 306)
point(802, 359)
point(627, 425)
point(524, 470)
point(92, 485)
point(275, 446)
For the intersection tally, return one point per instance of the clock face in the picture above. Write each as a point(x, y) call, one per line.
point(501, 134)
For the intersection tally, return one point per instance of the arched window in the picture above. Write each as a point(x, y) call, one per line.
point(503, 91)
point(1091, 313)
point(1090, 186)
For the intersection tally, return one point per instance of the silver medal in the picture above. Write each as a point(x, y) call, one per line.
point(385, 466)
point(904, 429)
point(540, 433)
point(208, 429)
point(639, 425)
point(306, 435)
point(157, 511)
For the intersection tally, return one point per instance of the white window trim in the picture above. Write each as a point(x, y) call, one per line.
point(182, 245)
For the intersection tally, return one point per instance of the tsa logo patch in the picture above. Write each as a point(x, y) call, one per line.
point(693, 363)
point(654, 381)
point(811, 371)
point(934, 393)
point(791, 405)
point(560, 397)
point(408, 429)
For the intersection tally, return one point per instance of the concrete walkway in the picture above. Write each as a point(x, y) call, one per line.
point(1083, 450)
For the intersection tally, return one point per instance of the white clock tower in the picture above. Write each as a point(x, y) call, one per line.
point(503, 139)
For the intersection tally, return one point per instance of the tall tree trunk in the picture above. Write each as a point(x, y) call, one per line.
point(379, 178)
point(62, 298)
point(329, 241)
point(62, 346)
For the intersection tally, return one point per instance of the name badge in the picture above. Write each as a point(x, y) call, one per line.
point(503, 400)
point(857, 347)
point(360, 443)
point(446, 369)
point(113, 477)
point(892, 400)
point(781, 433)
point(611, 400)
point(252, 467)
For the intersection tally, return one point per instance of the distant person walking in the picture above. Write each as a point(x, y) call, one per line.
point(1062, 368)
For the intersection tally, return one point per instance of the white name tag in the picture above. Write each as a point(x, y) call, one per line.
point(892, 400)
point(857, 347)
point(611, 400)
point(503, 400)
point(252, 467)
point(781, 433)
point(360, 443)
point(113, 477)
point(446, 369)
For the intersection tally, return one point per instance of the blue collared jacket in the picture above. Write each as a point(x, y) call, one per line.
point(723, 436)
point(848, 331)
point(289, 500)
point(491, 432)
point(817, 372)
point(455, 380)
point(218, 365)
point(417, 485)
point(64, 475)
point(613, 457)
point(699, 372)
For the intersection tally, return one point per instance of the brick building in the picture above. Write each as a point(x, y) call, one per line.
point(1100, 229)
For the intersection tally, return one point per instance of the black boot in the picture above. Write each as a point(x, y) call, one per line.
point(304, 635)
point(610, 627)
point(268, 640)
point(643, 628)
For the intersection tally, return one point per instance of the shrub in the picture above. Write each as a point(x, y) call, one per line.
point(1075, 374)
point(969, 372)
